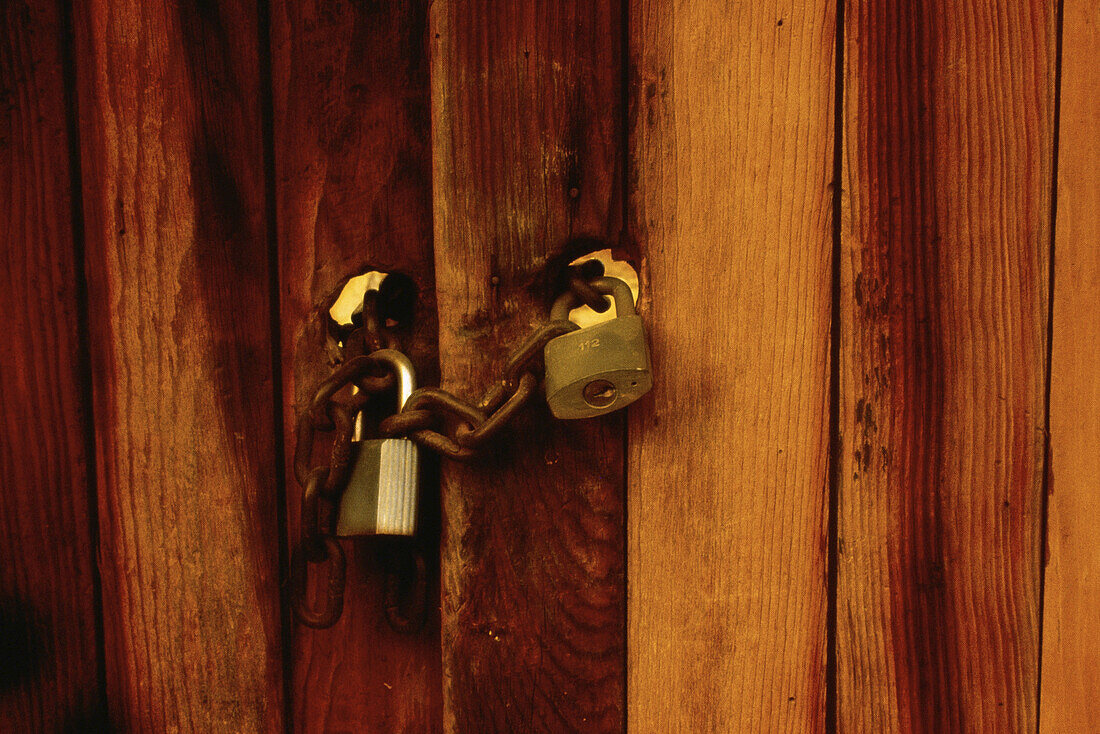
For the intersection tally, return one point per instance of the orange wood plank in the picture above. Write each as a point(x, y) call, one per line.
point(352, 157)
point(1071, 608)
point(50, 678)
point(948, 142)
point(527, 139)
point(731, 145)
point(178, 265)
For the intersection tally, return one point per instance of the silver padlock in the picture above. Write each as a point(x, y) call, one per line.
point(384, 483)
point(601, 368)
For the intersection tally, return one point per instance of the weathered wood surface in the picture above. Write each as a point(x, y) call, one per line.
point(731, 144)
point(527, 139)
point(50, 679)
point(948, 130)
point(1071, 608)
point(352, 157)
point(179, 289)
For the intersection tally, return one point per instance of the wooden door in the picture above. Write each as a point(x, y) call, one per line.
point(858, 498)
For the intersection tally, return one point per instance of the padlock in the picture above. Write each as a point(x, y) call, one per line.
point(600, 368)
point(383, 486)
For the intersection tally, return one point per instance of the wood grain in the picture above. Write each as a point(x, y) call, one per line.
point(50, 678)
point(352, 157)
point(177, 258)
point(527, 135)
point(947, 176)
point(731, 145)
point(1071, 603)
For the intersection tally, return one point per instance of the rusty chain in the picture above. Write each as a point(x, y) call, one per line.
point(432, 417)
point(452, 427)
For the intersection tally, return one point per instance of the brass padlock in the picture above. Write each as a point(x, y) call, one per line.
point(383, 487)
point(601, 368)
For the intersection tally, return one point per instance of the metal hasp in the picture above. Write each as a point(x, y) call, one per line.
point(383, 486)
point(601, 368)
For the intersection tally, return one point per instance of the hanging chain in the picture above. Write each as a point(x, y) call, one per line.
point(432, 417)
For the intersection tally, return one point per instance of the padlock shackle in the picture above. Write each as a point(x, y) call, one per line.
point(608, 286)
point(403, 368)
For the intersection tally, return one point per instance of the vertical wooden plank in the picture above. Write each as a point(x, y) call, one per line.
point(354, 194)
point(179, 306)
point(731, 144)
point(526, 114)
point(50, 679)
point(1071, 604)
point(947, 156)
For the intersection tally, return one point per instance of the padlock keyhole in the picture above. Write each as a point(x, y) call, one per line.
point(600, 393)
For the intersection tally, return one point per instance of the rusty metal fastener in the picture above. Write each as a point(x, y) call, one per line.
point(433, 417)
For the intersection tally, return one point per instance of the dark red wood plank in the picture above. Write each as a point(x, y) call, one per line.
point(354, 194)
point(50, 679)
point(179, 289)
point(949, 139)
point(527, 140)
